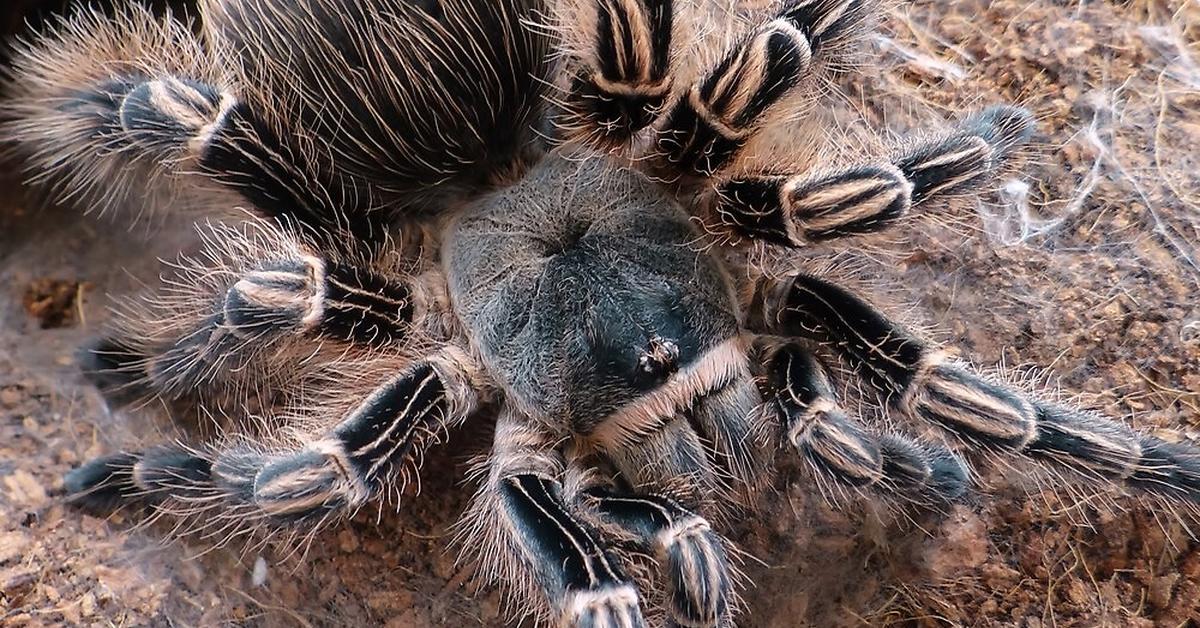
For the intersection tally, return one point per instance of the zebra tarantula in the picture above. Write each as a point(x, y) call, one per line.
point(542, 215)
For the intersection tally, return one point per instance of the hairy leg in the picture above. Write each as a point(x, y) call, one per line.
point(63, 106)
point(699, 579)
point(700, 135)
point(116, 111)
point(622, 78)
point(381, 430)
point(703, 459)
point(665, 478)
point(838, 448)
point(785, 57)
point(254, 303)
point(526, 524)
point(136, 111)
point(796, 209)
point(919, 381)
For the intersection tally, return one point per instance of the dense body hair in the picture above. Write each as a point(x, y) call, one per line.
point(428, 105)
point(400, 104)
point(537, 216)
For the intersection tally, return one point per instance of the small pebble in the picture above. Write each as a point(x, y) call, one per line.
point(347, 541)
point(259, 575)
point(1190, 334)
point(10, 397)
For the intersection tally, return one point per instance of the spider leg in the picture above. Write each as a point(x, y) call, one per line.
point(919, 381)
point(110, 107)
point(624, 77)
point(535, 544)
point(685, 465)
point(333, 474)
point(836, 446)
point(869, 197)
point(704, 130)
point(699, 579)
point(624, 80)
point(64, 105)
point(256, 295)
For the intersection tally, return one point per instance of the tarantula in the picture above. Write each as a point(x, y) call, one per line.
point(541, 215)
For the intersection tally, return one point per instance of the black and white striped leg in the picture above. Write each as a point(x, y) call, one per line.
point(919, 381)
point(175, 118)
point(624, 79)
point(534, 544)
point(62, 107)
point(706, 128)
point(838, 448)
point(795, 210)
point(111, 131)
point(706, 448)
point(352, 463)
point(700, 585)
point(214, 320)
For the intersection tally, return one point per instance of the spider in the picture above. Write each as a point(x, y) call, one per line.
point(542, 216)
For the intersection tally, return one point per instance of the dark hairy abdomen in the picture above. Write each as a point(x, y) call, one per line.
point(415, 101)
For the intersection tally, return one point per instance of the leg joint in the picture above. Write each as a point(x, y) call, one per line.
point(173, 114)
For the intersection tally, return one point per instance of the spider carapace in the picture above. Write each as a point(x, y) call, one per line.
point(543, 214)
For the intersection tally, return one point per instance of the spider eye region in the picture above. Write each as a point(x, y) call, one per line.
point(660, 359)
point(585, 290)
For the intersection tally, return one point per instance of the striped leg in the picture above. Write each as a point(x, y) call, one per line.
point(354, 462)
point(177, 121)
point(699, 579)
point(112, 110)
point(919, 381)
point(709, 124)
point(795, 210)
point(624, 76)
point(63, 106)
point(704, 458)
point(838, 448)
point(525, 524)
point(256, 294)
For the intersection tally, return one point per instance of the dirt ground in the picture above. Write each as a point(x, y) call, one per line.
point(1087, 267)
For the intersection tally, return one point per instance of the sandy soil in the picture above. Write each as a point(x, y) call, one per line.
point(1090, 271)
